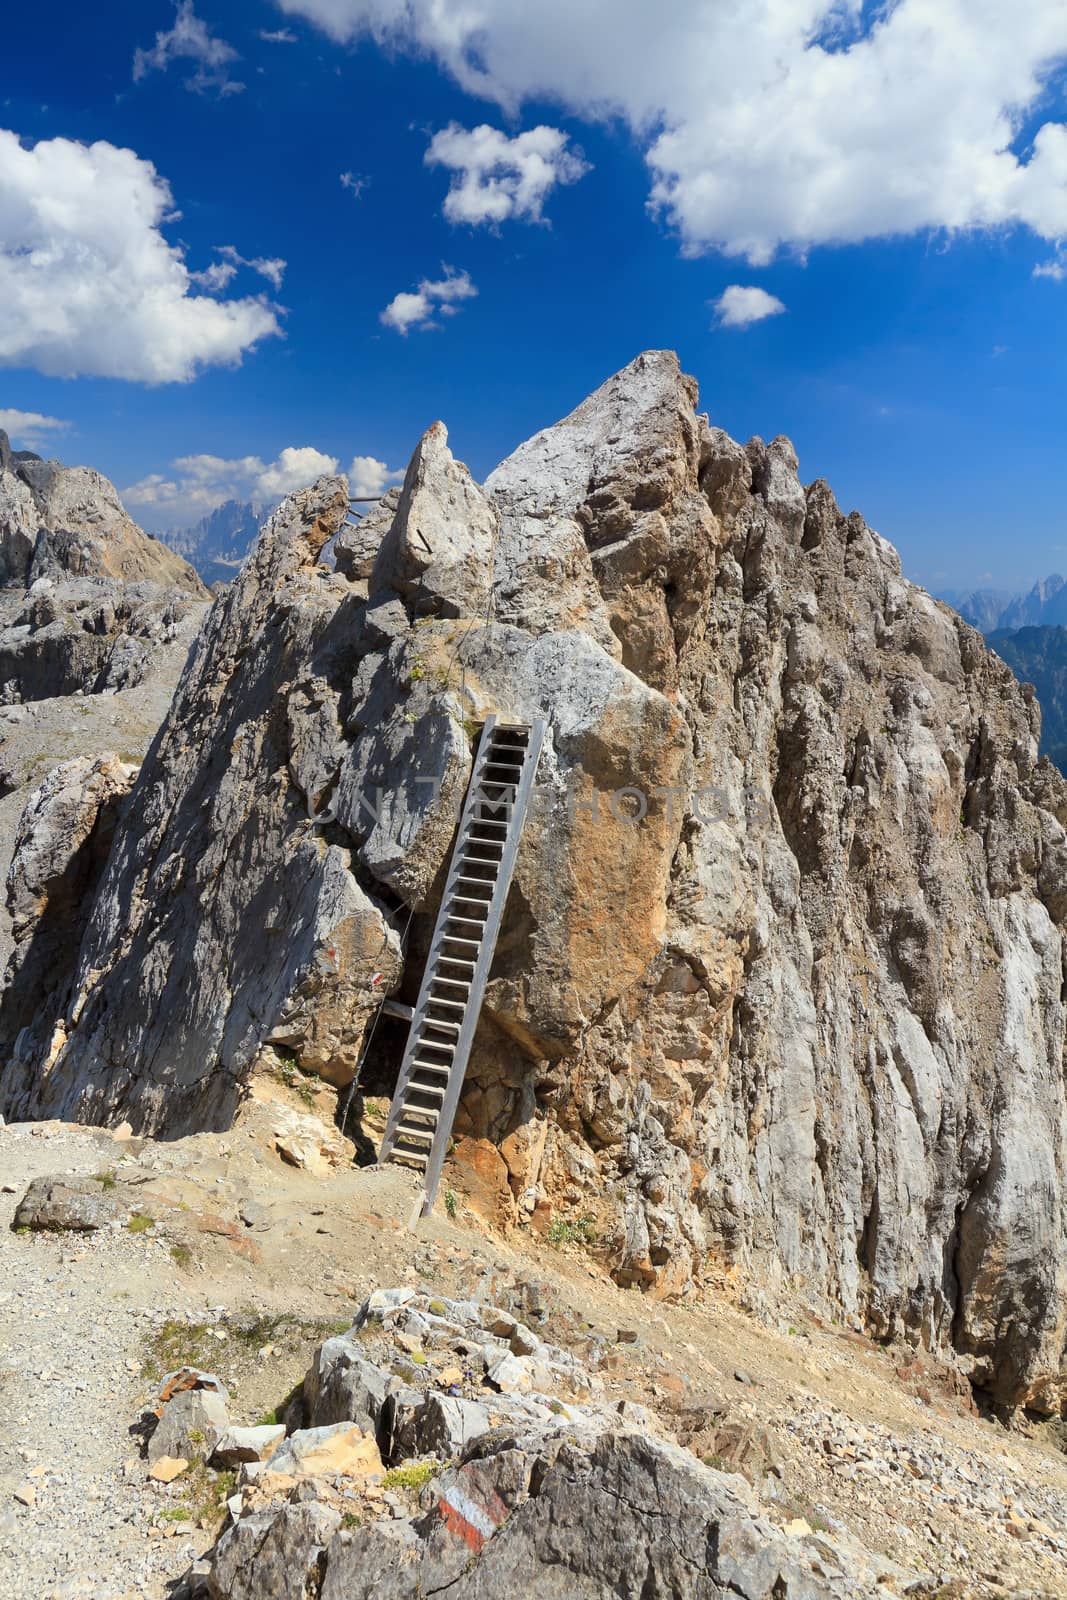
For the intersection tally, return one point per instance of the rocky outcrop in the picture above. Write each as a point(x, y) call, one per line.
point(58, 522)
point(87, 635)
point(519, 1491)
point(224, 871)
point(779, 991)
point(87, 601)
point(63, 840)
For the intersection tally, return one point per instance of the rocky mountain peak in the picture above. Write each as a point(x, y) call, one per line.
point(778, 994)
point(68, 521)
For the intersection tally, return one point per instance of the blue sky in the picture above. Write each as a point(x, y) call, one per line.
point(917, 364)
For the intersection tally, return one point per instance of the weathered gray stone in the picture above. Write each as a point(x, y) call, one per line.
point(438, 552)
point(59, 1205)
point(61, 847)
point(58, 521)
point(274, 1555)
point(196, 882)
point(617, 1515)
point(190, 1427)
point(237, 1445)
point(446, 1424)
point(341, 1386)
point(88, 635)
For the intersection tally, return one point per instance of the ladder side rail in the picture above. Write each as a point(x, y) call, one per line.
point(449, 1105)
point(422, 1004)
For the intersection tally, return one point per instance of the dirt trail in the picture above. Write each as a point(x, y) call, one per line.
point(864, 1440)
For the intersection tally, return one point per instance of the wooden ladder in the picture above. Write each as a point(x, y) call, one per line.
point(461, 951)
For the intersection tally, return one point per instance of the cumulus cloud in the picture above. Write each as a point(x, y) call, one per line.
point(196, 484)
point(797, 123)
point(740, 305)
point(367, 476)
point(89, 286)
point(417, 308)
point(496, 177)
point(190, 39)
point(30, 429)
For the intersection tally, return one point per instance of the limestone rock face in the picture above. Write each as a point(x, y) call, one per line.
point(61, 846)
point(778, 995)
point(87, 600)
point(226, 917)
point(58, 521)
point(440, 543)
point(87, 635)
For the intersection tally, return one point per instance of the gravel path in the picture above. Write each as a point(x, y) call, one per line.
point(73, 1319)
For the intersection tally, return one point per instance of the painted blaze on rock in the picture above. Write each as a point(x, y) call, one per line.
point(809, 1030)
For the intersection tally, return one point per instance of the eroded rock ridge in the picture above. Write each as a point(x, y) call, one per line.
point(779, 991)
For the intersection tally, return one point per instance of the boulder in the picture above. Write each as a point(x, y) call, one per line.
point(579, 1519)
point(61, 1205)
point(438, 551)
point(340, 1449)
point(190, 1427)
point(341, 1386)
point(237, 1445)
point(274, 1555)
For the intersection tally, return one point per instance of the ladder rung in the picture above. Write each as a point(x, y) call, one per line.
point(453, 983)
point(422, 1135)
point(432, 1022)
point(431, 1066)
point(468, 922)
point(462, 877)
point(413, 1134)
point(421, 1130)
point(453, 1005)
point(427, 1088)
point(488, 822)
point(458, 961)
point(456, 938)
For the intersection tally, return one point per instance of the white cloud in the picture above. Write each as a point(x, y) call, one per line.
point(415, 309)
point(222, 273)
point(88, 283)
point(368, 476)
point(784, 122)
point(739, 305)
point(1055, 269)
point(190, 39)
point(497, 177)
point(270, 267)
point(197, 484)
point(28, 429)
point(355, 183)
point(277, 36)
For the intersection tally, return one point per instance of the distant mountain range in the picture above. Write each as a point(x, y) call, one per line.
point(219, 542)
point(996, 610)
point(1029, 632)
point(1039, 656)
